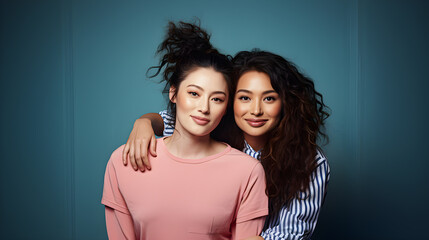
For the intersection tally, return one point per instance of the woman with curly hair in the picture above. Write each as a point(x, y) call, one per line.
point(278, 119)
point(188, 195)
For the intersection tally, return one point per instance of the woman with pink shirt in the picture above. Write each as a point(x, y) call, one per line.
point(279, 118)
point(188, 194)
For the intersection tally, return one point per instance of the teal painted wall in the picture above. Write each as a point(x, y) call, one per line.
point(36, 181)
point(73, 81)
point(393, 132)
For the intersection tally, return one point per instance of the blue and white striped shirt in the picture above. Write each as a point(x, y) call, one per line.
point(168, 123)
point(297, 220)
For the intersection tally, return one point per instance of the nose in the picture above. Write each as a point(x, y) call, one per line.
point(256, 108)
point(204, 106)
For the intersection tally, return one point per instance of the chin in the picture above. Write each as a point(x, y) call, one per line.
point(200, 133)
point(256, 134)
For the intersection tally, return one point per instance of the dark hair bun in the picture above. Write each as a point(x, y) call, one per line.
point(184, 39)
point(185, 48)
point(182, 42)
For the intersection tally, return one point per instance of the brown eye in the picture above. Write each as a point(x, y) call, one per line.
point(244, 98)
point(218, 100)
point(270, 99)
point(194, 94)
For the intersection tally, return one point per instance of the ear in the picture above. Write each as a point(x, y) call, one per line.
point(172, 94)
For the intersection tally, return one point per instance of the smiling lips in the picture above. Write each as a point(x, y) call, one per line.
point(255, 122)
point(200, 120)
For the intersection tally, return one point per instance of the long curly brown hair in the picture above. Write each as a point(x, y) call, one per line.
point(288, 156)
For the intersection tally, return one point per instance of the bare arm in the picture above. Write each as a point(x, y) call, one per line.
point(141, 139)
point(156, 121)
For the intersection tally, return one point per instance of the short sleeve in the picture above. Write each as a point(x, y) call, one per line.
point(112, 196)
point(119, 225)
point(251, 228)
point(168, 122)
point(254, 201)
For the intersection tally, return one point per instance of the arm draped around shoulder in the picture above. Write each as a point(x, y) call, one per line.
point(298, 220)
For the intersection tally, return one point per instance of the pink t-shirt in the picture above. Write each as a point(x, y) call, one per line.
point(185, 198)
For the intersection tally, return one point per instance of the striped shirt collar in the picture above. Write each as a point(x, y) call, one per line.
point(249, 151)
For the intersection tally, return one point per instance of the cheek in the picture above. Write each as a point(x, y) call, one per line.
point(217, 112)
point(221, 110)
point(239, 108)
point(274, 111)
point(182, 102)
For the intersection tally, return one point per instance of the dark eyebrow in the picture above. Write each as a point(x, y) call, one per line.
point(219, 92)
point(247, 91)
point(243, 90)
point(193, 85)
point(268, 92)
point(216, 92)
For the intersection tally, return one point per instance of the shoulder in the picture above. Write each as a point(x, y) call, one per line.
point(235, 153)
point(321, 158)
point(322, 170)
point(166, 115)
point(116, 156)
point(168, 119)
point(113, 167)
point(240, 161)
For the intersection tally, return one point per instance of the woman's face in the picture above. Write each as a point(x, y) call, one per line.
point(257, 106)
point(201, 101)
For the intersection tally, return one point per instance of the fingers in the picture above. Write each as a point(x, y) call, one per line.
point(145, 154)
point(132, 156)
point(125, 153)
point(152, 147)
point(138, 156)
point(136, 153)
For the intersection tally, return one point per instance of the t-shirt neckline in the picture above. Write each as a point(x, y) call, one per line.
point(164, 148)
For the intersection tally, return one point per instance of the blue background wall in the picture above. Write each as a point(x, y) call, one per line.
point(73, 82)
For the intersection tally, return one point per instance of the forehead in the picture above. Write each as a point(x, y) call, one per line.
point(254, 81)
point(206, 78)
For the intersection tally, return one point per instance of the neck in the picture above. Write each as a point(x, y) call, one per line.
point(189, 146)
point(256, 142)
